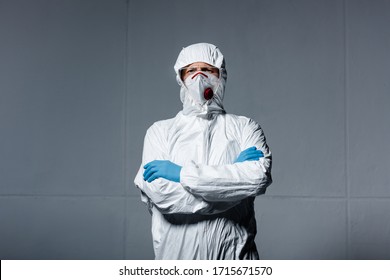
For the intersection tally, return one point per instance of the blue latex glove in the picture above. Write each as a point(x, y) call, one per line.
point(249, 154)
point(162, 169)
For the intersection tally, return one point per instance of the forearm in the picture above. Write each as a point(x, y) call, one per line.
point(170, 198)
point(232, 182)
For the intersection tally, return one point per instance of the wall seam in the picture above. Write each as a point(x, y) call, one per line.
point(268, 196)
point(125, 123)
point(346, 130)
point(81, 196)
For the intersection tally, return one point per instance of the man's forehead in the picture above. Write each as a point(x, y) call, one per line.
point(199, 64)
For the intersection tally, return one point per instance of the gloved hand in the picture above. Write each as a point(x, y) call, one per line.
point(249, 154)
point(162, 169)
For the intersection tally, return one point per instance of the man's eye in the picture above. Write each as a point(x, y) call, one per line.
point(209, 70)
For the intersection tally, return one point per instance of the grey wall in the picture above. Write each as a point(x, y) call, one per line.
point(81, 81)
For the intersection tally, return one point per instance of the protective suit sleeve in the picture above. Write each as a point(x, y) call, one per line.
point(232, 182)
point(168, 196)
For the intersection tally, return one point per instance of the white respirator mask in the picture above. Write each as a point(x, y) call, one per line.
point(201, 88)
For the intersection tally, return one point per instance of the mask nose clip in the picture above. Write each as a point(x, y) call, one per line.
point(199, 73)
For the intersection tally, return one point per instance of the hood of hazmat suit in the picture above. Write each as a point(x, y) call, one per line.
point(211, 55)
point(210, 213)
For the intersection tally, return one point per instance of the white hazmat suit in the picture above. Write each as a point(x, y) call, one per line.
point(209, 214)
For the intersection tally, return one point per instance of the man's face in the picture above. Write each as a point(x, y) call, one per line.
point(191, 69)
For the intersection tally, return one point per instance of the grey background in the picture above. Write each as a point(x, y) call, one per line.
point(81, 81)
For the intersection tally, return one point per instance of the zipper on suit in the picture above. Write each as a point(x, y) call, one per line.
point(206, 141)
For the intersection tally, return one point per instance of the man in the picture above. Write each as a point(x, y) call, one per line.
point(202, 169)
